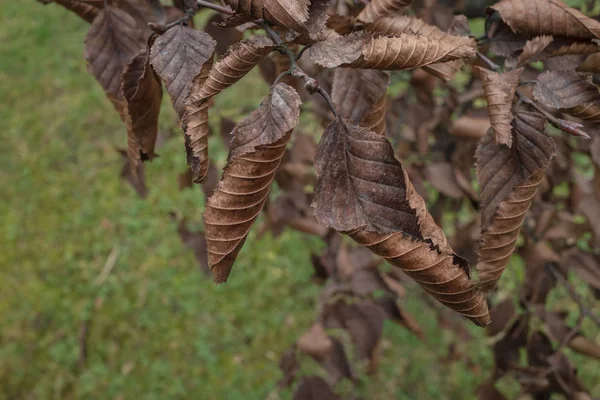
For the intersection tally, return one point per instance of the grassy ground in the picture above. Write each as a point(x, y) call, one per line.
point(159, 329)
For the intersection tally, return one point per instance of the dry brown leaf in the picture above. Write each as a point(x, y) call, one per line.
point(315, 342)
point(111, 43)
point(363, 191)
point(84, 9)
point(470, 127)
point(441, 176)
point(314, 388)
point(288, 13)
point(178, 56)
point(185, 5)
point(379, 8)
point(547, 17)
point(590, 64)
point(401, 52)
point(569, 92)
point(509, 179)
point(143, 93)
point(356, 91)
point(259, 144)
point(233, 66)
point(533, 48)
point(375, 119)
point(499, 91)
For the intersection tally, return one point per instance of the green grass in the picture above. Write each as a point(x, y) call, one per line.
point(159, 328)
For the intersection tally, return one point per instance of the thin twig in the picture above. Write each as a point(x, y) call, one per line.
point(108, 266)
point(221, 9)
point(311, 84)
point(574, 295)
point(493, 66)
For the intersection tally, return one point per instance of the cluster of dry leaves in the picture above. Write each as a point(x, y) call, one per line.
point(537, 65)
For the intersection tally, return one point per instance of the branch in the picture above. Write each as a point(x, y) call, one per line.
point(573, 293)
point(221, 9)
point(310, 84)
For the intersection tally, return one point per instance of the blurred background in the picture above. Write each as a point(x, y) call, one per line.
point(101, 298)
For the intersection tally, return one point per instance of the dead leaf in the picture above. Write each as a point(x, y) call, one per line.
point(315, 342)
point(363, 191)
point(86, 10)
point(178, 56)
point(110, 45)
point(314, 388)
point(509, 179)
point(570, 92)
point(546, 17)
point(499, 91)
point(143, 93)
point(355, 91)
point(258, 145)
point(378, 8)
point(287, 13)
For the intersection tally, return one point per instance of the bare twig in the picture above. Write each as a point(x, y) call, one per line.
point(310, 83)
point(108, 266)
point(493, 66)
point(573, 293)
point(221, 9)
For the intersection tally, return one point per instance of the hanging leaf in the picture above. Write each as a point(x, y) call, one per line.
point(287, 13)
point(547, 17)
point(143, 93)
point(379, 8)
point(233, 66)
point(110, 45)
point(185, 5)
point(532, 49)
point(374, 120)
point(257, 148)
point(178, 56)
point(363, 191)
point(569, 92)
point(355, 91)
point(84, 9)
point(499, 91)
point(405, 51)
point(509, 179)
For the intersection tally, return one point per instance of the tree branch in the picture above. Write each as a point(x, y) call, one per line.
point(221, 9)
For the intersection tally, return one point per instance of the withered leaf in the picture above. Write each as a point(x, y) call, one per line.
point(378, 8)
point(233, 66)
point(363, 191)
point(499, 91)
point(84, 9)
point(288, 13)
point(143, 93)
point(256, 151)
point(185, 5)
point(111, 43)
point(400, 24)
point(570, 92)
point(547, 17)
point(315, 342)
point(375, 119)
point(178, 56)
point(355, 91)
point(314, 388)
point(400, 52)
point(135, 177)
point(196, 242)
point(533, 48)
point(509, 179)
point(363, 321)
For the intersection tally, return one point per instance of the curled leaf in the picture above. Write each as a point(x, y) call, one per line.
point(84, 9)
point(509, 179)
point(533, 48)
point(405, 51)
point(363, 191)
point(143, 93)
point(378, 8)
point(547, 17)
point(288, 13)
point(257, 148)
point(233, 66)
point(499, 91)
point(569, 92)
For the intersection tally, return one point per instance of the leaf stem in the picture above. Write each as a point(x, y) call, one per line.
point(221, 9)
point(493, 66)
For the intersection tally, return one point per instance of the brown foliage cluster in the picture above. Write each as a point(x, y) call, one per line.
point(423, 177)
